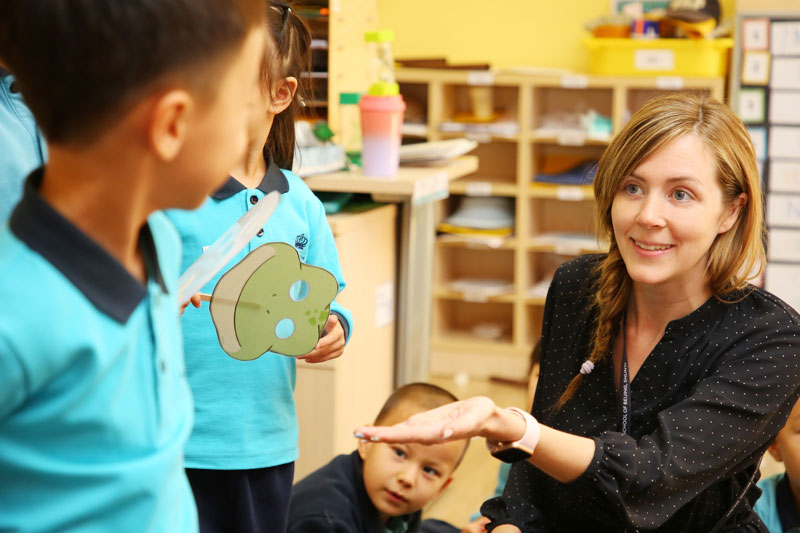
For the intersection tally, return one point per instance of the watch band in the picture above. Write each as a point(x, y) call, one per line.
point(522, 448)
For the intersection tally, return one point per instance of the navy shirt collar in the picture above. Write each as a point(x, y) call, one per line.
point(95, 272)
point(273, 180)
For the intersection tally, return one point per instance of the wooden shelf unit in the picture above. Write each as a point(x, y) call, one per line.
point(340, 57)
point(508, 158)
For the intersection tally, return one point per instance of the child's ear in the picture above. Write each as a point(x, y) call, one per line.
point(167, 126)
point(446, 483)
point(775, 452)
point(284, 94)
point(362, 448)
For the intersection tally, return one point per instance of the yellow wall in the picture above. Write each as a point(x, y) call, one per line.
point(501, 32)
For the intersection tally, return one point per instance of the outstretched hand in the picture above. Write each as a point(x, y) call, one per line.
point(474, 417)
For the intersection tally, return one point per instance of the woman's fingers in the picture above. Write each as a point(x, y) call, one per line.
point(458, 420)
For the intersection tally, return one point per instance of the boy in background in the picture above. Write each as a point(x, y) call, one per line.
point(779, 504)
point(144, 106)
point(379, 487)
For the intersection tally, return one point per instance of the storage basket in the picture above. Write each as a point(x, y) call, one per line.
point(659, 57)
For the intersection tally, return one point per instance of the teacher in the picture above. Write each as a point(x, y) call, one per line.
point(665, 374)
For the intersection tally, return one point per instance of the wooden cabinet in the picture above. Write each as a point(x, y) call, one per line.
point(493, 335)
point(335, 397)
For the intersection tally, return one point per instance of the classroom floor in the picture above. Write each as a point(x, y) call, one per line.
point(475, 478)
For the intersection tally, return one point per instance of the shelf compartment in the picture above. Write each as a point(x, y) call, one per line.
point(470, 322)
point(533, 331)
point(563, 243)
point(548, 101)
point(555, 165)
point(638, 97)
point(477, 185)
point(479, 111)
point(479, 136)
point(476, 243)
point(568, 139)
point(449, 293)
point(541, 267)
point(566, 193)
point(415, 117)
point(554, 215)
point(496, 167)
point(465, 263)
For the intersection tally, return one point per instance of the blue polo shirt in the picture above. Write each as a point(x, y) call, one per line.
point(94, 404)
point(245, 414)
point(22, 148)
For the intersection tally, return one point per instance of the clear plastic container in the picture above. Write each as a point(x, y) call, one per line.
point(381, 68)
point(349, 133)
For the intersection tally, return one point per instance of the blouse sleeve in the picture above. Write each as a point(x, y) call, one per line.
point(721, 428)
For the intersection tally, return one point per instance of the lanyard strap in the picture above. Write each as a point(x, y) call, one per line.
point(624, 394)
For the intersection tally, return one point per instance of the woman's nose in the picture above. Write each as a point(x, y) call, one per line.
point(651, 212)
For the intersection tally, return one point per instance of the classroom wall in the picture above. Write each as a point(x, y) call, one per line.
point(504, 33)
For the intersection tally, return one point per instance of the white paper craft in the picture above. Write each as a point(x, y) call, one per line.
point(786, 38)
point(751, 105)
point(784, 107)
point(755, 34)
point(755, 68)
point(785, 73)
point(784, 176)
point(784, 142)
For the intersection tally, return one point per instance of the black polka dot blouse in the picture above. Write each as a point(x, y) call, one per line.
point(706, 404)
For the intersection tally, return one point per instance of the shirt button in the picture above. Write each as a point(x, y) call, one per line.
point(260, 232)
point(254, 200)
point(163, 366)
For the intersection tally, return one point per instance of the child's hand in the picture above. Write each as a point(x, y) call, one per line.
point(195, 300)
point(330, 345)
point(478, 526)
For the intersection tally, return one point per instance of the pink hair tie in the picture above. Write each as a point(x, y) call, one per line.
point(587, 367)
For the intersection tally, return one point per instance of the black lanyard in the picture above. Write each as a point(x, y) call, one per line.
point(624, 408)
point(624, 393)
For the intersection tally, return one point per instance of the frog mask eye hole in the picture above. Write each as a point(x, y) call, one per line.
point(299, 290)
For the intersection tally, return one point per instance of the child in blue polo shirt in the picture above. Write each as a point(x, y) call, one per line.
point(779, 503)
point(144, 105)
point(23, 146)
point(240, 457)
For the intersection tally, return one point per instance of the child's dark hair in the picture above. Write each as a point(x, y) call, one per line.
point(79, 63)
point(423, 395)
point(289, 55)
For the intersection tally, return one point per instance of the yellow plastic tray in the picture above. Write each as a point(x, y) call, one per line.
point(659, 57)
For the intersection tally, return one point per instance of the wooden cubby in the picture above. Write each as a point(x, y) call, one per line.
point(547, 218)
point(340, 57)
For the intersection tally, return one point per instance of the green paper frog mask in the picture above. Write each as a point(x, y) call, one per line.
point(271, 301)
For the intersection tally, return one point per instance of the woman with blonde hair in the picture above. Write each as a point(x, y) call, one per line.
point(664, 373)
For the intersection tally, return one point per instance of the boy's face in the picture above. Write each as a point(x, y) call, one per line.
point(402, 478)
point(786, 448)
point(217, 132)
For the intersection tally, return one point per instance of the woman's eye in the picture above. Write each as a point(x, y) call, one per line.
point(399, 453)
point(681, 195)
point(632, 188)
